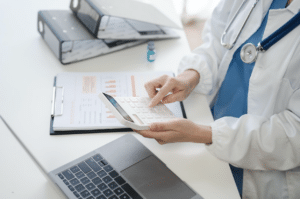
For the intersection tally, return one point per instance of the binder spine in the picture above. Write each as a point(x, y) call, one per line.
point(88, 14)
point(48, 34)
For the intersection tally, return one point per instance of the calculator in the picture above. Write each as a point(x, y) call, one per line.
point(134, 112)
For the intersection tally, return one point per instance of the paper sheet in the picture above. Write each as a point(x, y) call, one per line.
point(82, 108)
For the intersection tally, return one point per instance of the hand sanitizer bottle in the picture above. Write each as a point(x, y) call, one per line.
point(151, 53)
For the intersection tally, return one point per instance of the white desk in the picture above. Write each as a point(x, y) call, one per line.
point(27, 68)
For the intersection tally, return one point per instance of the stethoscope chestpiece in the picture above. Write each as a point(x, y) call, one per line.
point(249, 53)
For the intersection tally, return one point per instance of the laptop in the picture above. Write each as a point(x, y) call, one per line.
point(121, 169)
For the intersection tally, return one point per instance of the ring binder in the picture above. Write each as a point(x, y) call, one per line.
point(54, 104)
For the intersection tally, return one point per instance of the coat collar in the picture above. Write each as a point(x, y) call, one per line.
point(294, 7)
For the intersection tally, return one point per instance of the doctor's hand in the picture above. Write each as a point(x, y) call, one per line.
point(180, 87)
point(178, 130)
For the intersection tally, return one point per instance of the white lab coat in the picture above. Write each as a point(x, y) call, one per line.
point(266, 141)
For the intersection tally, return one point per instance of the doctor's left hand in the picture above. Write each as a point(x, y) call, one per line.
point(178, 130)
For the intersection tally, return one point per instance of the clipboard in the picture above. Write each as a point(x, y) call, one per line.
point(53, 114)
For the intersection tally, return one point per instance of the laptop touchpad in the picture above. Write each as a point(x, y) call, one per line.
point(155, 181)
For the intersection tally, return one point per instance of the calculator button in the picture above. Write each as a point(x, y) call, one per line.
point(126, 99)
point(132, 105)
point(148, 116)
point(134, 99)
point(139, 105)
point(144, 110)
point(137, 110)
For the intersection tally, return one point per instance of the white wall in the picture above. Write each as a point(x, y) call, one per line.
point(196, 8)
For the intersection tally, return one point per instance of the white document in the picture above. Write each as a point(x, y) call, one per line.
point(81, 107)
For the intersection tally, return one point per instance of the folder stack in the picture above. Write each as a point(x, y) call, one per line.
point(97, 27)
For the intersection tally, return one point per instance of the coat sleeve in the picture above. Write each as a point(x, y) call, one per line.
point(258, 143)
point(206, 58)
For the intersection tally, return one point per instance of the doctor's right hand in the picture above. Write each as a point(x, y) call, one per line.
point(180, 87)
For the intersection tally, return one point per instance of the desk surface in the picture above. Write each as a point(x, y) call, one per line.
point(27, 68)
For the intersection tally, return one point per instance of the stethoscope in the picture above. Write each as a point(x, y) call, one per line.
point(249, 51)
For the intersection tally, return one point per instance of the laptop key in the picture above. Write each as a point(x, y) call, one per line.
point(85, 180)
point(79, 188)
point(112, 185)
point(66, 182)
point(107, 179)
point(92, 163)
point(85, 193)
point(104, 162)
point(97, 157)
point(91, 175)
point(113, 174)
point(71, 188)
point(68, 174)
point(130, 191)
point(120, 180)
point(60, 176)
point(101, 173)
point(102, 186)
point(101, 197)
point(124, 196)
point(96, 180)
point(101, 164)
point(108, 168)
point(75, 169)
point(74, 181)
point(96, 192)
point(80, 174)
point(113, 197)
point(107, 192)
point(118, 191)
point(76, 194)
point(90, 186)
point(91, 197)
point(84, 167)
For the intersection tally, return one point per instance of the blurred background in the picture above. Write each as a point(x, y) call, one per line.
point(194, 14)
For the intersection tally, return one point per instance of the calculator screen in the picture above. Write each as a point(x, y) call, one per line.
point(118, 107)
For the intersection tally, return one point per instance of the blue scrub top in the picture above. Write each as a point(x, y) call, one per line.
point(233, 94)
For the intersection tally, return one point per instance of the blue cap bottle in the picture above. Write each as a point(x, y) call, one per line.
point(151, 53)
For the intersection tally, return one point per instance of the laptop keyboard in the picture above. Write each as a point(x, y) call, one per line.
point(95, 178)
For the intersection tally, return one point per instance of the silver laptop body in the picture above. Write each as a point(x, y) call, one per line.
point(121, 169)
